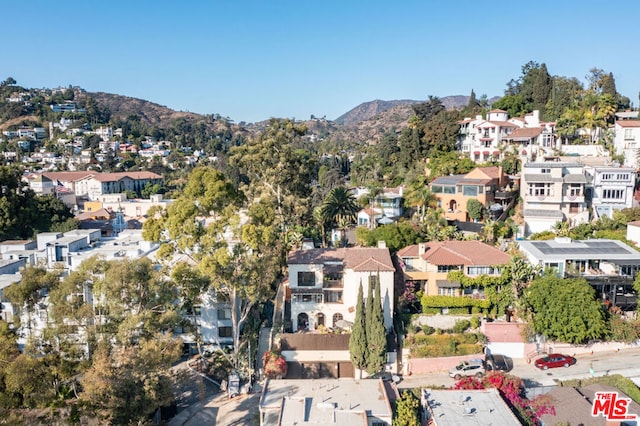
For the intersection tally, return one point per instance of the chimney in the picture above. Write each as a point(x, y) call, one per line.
point(382, 244)
point(421, 249)
point(500, 177)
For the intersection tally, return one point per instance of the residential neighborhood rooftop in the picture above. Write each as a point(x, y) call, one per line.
point(565, 248)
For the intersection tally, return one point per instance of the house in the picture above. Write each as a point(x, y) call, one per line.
point(321, 295)
point(626, 141)
point(610, 266)
point(633, 232)
point(324, 284)
point(385, 208)
point(486, 139)
point(575, 406)
point(489, 185)
point(98, 184)
point(429, 263)
point(553, 191)
point(325, 402)
point(454, 407)
point(610, 189)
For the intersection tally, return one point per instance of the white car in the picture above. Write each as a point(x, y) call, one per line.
point(474, 367)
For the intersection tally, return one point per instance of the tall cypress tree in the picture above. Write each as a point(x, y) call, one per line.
point(358, 338)
point(376, 332)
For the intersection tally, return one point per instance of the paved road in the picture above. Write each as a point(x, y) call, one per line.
point(625, 362)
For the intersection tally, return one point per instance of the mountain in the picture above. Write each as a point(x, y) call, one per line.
point(368, 110)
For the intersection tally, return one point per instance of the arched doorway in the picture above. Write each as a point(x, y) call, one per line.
point(453, 205)
point(319, 320)
point(303, 321)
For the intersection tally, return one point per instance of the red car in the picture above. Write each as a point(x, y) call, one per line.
point(554, 360)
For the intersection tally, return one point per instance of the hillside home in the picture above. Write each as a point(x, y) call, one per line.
point(324, 284)
point(610, 189)
point(626, 141)
point(428, 264)
point(489, 185)
point(485, 139)
point(385, 208)
point(98, 184)
point(610, 266)
point(553, 192)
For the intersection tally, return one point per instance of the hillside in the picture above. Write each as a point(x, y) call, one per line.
point(368, 110)
point(151, 113)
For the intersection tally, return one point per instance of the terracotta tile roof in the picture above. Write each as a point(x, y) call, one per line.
point(496, 124)
point(463, 253)
point(491, 172)
point(527, 132)
point(98, 214)
point(355, 258)
point(628, 123)
point(410, 251)
point(113, 177)
point(67, 176)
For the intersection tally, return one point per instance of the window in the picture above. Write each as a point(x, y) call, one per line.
point(449, 189)
point(436, 189)
point(575, 190)
point(224, 314)
point(336, 318)
point(480, 270)
point(306, 298)
point(374, 280)
point(224, 332)
point(306, 279)
point(545, 171)
point(628, 134)
point(333, 297)
point(539, 189)
point(447, 291)
point(613, 194)
point(447, 268)
point(622, 176)
point(470, 191)
point(197, 311)
point(607, 176)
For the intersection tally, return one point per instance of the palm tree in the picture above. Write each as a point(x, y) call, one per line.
point(339, 208)
point(420, 197)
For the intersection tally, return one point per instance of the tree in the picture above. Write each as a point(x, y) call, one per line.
point(358, 337)
point(564, 310)
point(419, 197)
point(376, 332)
point(127, 385)
point(475, 209)
point(407, 410)
point(339, 208)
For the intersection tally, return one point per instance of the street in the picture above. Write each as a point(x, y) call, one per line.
point(625, 362)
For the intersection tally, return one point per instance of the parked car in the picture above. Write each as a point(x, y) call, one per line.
point(474, 367)
point(554, 360)
point(497, 362)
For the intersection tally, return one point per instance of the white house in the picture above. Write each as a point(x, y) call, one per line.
point(611, 189)
point(627, 141)
point(484, 139)
point(324, 284)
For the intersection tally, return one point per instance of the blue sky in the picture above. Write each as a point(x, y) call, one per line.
point(251, 60)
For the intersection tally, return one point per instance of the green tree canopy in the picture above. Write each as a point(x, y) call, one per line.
point(565, 310)
point(358, 336)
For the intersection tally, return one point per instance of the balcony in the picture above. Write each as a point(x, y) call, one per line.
point(331, 283)
point(505, 195)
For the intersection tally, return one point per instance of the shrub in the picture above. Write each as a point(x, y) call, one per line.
point(461, 326)
point(428, 330)
point(475, 322)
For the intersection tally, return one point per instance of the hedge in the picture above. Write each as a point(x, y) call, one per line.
point(455, 304)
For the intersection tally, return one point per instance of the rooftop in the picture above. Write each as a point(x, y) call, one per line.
point(356, 258)
point(565, 248)
point(457, 253)
point(326, 401)
point(463, 407)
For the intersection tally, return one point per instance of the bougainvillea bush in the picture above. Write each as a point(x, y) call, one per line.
point(275, 366)
point(510, 388)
